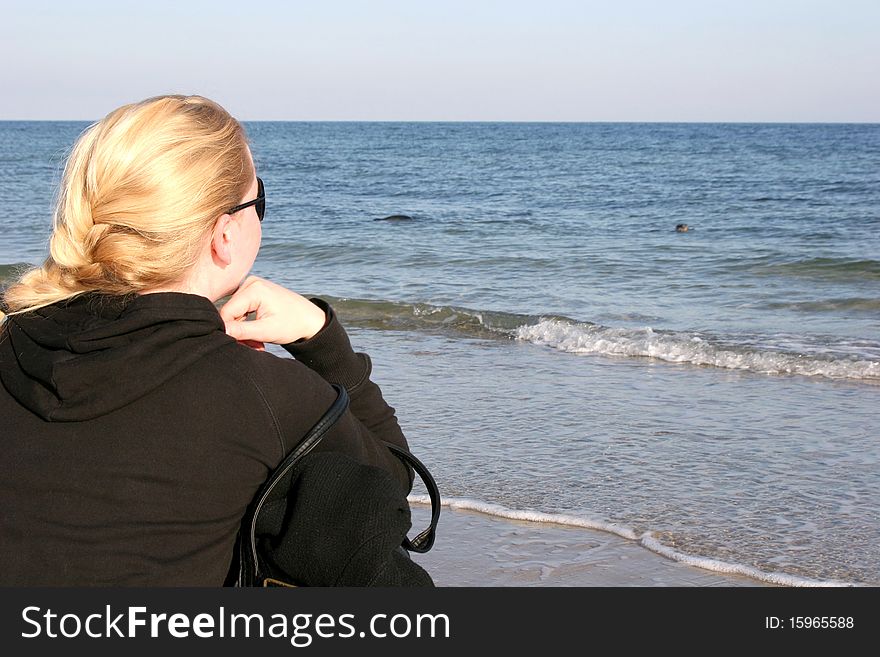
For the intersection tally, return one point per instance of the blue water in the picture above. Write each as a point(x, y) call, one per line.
point(552, 344)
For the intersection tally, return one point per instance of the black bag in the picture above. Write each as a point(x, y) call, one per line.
point(254, 567)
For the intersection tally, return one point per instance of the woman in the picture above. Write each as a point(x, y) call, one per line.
point(138, 421)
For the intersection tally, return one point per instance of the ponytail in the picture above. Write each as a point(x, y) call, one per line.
point(141, 191)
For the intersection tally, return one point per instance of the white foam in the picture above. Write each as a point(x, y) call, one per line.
point(646, 540)
point(529, 516)
point(687, 348)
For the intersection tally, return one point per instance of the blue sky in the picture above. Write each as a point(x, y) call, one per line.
point(547, 60)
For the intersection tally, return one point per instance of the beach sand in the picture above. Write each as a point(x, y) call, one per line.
point(475, 549)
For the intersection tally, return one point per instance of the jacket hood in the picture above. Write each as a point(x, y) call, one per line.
point(93, 354)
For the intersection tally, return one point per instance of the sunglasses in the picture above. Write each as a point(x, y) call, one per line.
point(259, 202)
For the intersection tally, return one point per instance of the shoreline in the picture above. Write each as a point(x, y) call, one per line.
point(475, 549)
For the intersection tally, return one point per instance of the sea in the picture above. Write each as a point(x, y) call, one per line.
point(557, 351)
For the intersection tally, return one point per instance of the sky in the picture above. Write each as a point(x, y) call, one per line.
point(448, 60)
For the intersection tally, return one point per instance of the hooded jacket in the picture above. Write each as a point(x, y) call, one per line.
point(135, 433)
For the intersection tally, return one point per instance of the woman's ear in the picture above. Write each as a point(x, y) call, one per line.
point(221, 241)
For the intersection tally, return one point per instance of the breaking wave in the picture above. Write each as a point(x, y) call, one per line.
point(678, 347)
point(826, 356)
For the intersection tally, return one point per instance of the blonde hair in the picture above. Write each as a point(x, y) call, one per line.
point(141, 191)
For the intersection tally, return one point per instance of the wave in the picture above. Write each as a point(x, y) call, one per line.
point(395, 315)
point(679, 347)
point(832, 358)
point(647, 540)
point(857, 304)
point(782, 199)
point(838, 269)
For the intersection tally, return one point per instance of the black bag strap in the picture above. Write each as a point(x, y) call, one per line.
point(425, 540)
point(249, 564)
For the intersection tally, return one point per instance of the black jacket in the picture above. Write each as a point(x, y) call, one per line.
point(135, 433)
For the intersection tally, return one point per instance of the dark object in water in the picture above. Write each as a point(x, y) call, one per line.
point(682, 228)
point(395, 217)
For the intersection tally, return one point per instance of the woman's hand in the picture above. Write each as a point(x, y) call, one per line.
point(281, 317)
